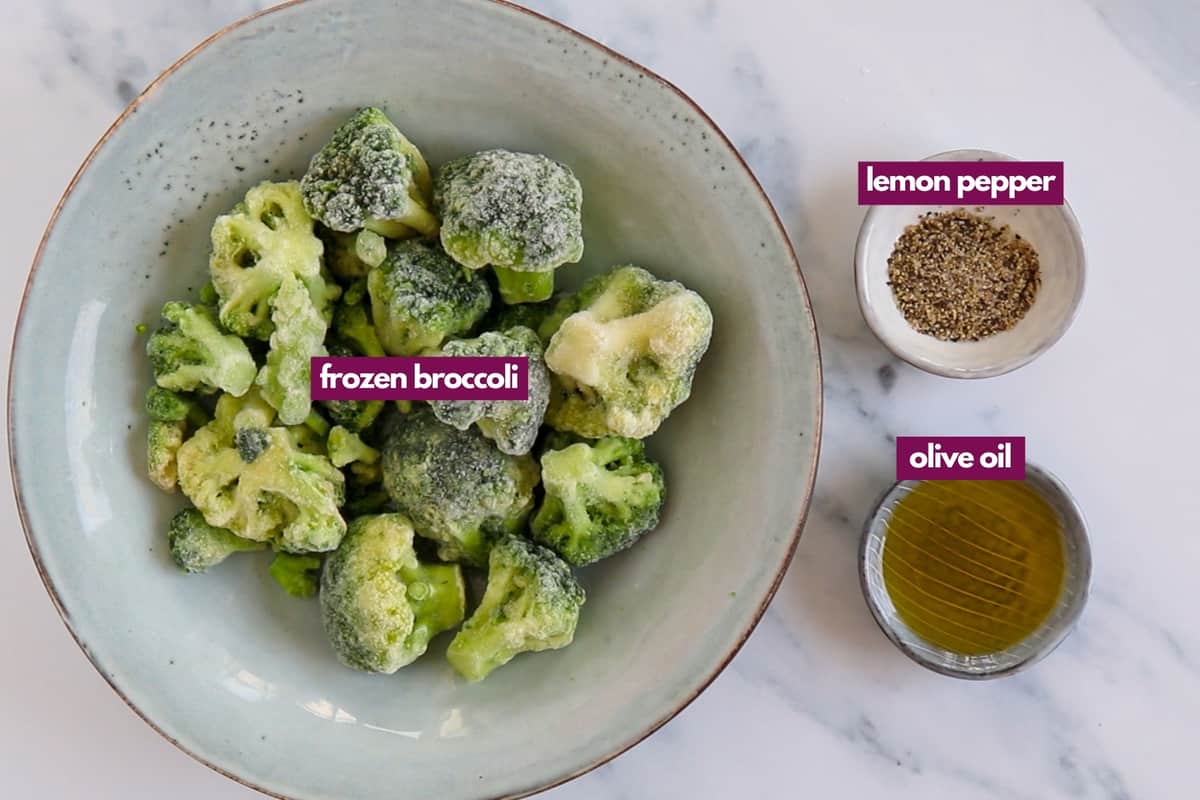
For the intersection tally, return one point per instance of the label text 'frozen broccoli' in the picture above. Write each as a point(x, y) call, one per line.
point(420, 378)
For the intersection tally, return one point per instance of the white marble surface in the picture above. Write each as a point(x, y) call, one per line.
point(818, 703)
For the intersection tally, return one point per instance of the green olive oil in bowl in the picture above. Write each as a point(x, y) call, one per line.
point(973, 566)
point(976, 579)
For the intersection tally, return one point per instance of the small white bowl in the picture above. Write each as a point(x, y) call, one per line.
point(1054, 233)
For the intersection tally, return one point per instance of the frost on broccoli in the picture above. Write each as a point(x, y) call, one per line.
point(196, 545)
point(250, 476)
point(512, 424)
point(420, 296)
point(189, 352)
point(625, 354)
point(370, 176)
point(531, 603)
point(298, 575)
point(353, 335)
point(171, 414)
point(518, 212)
point(379, 604)
point(298, 336)
point(455, 486)
point(600, 498)
point(266, 238)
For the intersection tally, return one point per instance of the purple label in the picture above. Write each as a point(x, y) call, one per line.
point(420, 378)
point(974, 183)
point(960, 458)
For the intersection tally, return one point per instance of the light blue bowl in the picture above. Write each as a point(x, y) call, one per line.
point(228, 667)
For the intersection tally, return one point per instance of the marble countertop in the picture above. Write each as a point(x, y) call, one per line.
point(818, 703)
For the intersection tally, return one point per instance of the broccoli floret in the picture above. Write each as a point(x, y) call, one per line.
point(195, 545)
point(527, 315)
point(379, 604)
point(370, 176)
point(208, 294)
point(168, 406)
point(346, 447)
point(352, 325)
point(353, 335)
point(190, 353)
point(171, 414)
point(531, 603)
point(350, 255)
point(626, 355)
point(511, 424)
point(251, 443)
point(354, 415)
point(520, 213)
point(297, 575)
point(298, 336)
point(266, 238)
point(274, 493)
point(163, 440)
point(600, 498)
point(455, 486)
point(420, 296)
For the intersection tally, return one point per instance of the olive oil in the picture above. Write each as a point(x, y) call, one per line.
point(973, 567)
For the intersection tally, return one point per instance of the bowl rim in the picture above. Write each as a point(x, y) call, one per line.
point(805, 306)
point(1003, 366)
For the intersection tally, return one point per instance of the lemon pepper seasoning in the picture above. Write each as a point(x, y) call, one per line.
point(958, 276)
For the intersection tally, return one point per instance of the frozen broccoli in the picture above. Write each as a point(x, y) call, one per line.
point(531, 603)
point(518, 212)
point(369, 176)
point(379, 604)
point(455, 486)
point(420, 296)
point(600, 498)
point(163, 440)
point(190, 353)
point(370, 247)
point(298, 575)
point(195, 545)
point(298, 336)
point(168, 406)
point(346, 447)
point(353, 335)
point(350, 255)
point(251, 477)
point(266, 238)
point(511, 424)
point(542, 318)
point(625, 354)
point(171, 414)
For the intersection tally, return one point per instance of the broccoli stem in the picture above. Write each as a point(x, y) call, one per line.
point(524, 287)
point(316, 423)
point(388, 228)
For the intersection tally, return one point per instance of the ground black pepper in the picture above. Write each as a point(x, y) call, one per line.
point(959, 276)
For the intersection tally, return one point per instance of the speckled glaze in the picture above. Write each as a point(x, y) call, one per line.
point(228, 667)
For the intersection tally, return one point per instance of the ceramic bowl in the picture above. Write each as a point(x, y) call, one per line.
point(228, 667)
point(1054, 629)
point(1054, 233)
